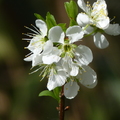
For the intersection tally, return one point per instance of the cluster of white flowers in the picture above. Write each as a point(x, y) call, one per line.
point(57, 55)
point(95, 21)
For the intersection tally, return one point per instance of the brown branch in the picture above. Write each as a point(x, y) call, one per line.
point(61, 104)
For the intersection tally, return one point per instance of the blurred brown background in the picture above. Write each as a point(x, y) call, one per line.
point(19, 91)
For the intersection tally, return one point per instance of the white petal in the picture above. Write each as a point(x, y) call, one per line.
point(69, 66)
point(29, 58)
point(37, 59)
point(83, 55)
point(100, 40)
point(88, 30)
point(83, 19)
point(56, 34)
point(99, 6)
point(35, 44)
point(103, 23)
point(74, 33)
point(88, 77)
point(55, 51)
point(71, 89)
point(42, 27)
point(52, 56)
point(113, 29)
point(82, 5)
point(48, 47)
point(49, 59)
point(74, 70)
point(56, 80)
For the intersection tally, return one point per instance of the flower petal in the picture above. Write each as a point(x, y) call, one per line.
point(48, 47)
point(74, 33)
point(99, 6)
point(29, 58)
point(69, 66)
point(82, 5)
point(37, 59)
point(71, 89)
point(56, 80)
point(35, 44)
point(88, 30)
point(88, 77)
point(52, 56)
point(103, 23)
point(113, 29)
point(49, 59)
point(100, 40)
point(42, 27)
point(83, 19)
point(83, 55)
point(56, 34)
point(75, 69)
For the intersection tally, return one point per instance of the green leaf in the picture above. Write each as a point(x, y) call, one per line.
point(63, 26)
point(39, 16)
point(47, 93)
point(72, 11)
point(57, 91)
point(73, 22)
point(50, 20)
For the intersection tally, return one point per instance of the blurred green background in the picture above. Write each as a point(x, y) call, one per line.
point(19, 91)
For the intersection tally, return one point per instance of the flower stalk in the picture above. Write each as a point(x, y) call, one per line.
point(62, 104)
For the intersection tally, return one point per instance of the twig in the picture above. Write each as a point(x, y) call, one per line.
point(61, 104)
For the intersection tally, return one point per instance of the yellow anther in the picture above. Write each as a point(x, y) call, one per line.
point(25, 47)
point(87, 2)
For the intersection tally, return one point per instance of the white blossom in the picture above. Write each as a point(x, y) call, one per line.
point(94, 16)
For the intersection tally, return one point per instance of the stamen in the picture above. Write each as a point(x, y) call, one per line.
point(113, 18)
point(28, 54)
point(35, 71)
point(32, 30)
point(36, 29)
point(27, 34)
point(43, 71)
point(26, 39)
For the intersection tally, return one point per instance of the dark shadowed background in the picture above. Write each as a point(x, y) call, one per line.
point(19, 91)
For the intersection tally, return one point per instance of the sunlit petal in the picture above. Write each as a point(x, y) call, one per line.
point(74, 33)
point(88, 77)
point(71, 89)
point(42, 27)
point(83, 55)
point(56, 34)
point(113, 29)
point(100, 40)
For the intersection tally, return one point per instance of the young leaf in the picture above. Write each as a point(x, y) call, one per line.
point(73, 22)
point(57, 91)
point(63, 26)
point(39, 16)
point(47, 93)
point(72, 11)
point(50, 20)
